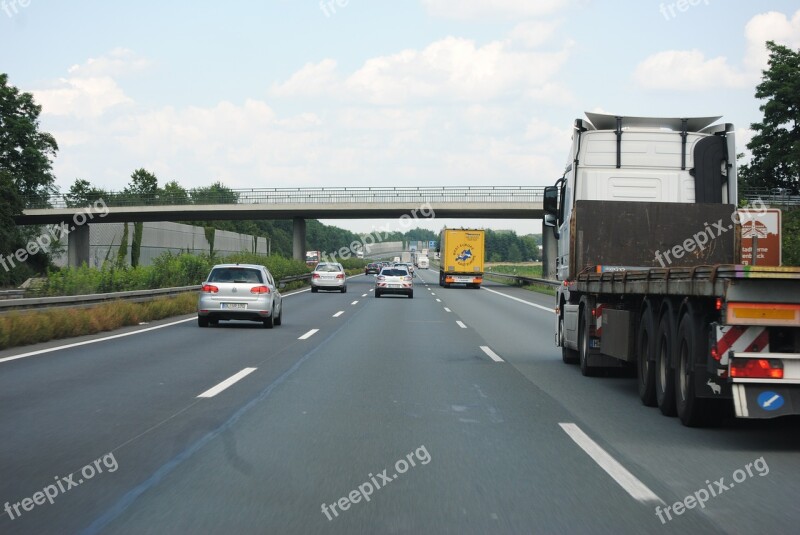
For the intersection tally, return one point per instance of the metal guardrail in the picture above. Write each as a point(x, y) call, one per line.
point(772, 197)
point(417, 195)
point(529, 280)
point(31, 303)
point(11, 294)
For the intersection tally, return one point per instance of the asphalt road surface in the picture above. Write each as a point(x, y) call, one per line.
point(447, 413)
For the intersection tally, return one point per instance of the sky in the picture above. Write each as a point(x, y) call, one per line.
point(303, 93)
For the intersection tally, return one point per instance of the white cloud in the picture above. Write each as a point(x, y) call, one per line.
point(481, 9)
point(772, 26)
point(451, 69)
point(118, 62)
point(91, 88)
point(690, 70)
point(81, 97)
point(687, 70)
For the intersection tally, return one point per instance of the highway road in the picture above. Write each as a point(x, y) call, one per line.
point(447, 413)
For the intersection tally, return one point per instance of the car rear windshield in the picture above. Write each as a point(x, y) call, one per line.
point(328, 267)
point(394, 272)
point(236, 274)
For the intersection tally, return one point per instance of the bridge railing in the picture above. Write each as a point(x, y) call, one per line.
point(416, 195)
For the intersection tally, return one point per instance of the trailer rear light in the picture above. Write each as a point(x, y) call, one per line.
point(210, 289)
point(757, 368)
point(763, 314)
point(718, 305)
point(715, 352)
point(259, 290)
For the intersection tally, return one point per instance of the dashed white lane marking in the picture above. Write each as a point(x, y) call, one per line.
point(213, 391)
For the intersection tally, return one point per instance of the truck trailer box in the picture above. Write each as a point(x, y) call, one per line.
point(462, 253)
point(620, 236)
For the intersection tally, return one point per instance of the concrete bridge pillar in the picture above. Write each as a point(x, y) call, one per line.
point(299, 239)
point(549, 253)
point(78, 251)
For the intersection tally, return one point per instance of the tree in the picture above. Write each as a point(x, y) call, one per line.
point(82, 193)
point(26, 177)
point(776, 144)
point(173, 193)
point(216, 193)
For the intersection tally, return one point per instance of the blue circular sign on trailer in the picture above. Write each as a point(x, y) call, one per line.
point(770, 401)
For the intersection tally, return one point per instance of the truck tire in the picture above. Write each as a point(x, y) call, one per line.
point(569, 356)
point(665, 377)
point(691, 347)
point(645, 349)
point(583, 345)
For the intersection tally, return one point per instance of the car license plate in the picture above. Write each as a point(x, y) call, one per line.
point(395, 286)
point(233, 306)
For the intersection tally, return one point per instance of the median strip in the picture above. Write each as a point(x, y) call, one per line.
point(211, 392)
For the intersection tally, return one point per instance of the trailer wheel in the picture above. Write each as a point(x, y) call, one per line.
point(645, 349)
point(665, 377)
point(569, 356)
point(692, 347)
point(583, 345)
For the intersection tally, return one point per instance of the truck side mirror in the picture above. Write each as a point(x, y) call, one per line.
point(551, 220)
point(550, 201)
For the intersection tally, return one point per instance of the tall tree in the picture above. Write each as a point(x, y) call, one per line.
point(82, 193)
point(776, 144)
point(26, 177)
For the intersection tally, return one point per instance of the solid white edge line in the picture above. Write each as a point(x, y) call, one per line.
point(520, 300)
point(461, 324)
point(492, 355)
point(309, 334)
point(630, 483)
point(447, 309)
point(96, 340)
point(213, 391)
point(338, 314)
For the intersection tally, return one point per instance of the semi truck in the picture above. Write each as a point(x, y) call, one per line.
point(649, 263)
point(313, 258)
point(461, 253)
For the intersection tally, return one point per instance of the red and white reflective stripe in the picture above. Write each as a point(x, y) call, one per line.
point(739, 339)
point(598, 314)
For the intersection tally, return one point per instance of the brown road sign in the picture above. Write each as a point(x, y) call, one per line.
point(763, 228)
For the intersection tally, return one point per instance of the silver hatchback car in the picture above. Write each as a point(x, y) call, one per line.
point(240, 292)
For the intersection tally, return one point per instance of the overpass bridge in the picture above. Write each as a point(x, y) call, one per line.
point(297, 204)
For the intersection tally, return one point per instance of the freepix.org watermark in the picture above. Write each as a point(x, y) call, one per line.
point(376, 482)
point(12, 7)
point(700, 240)
point(54, 234)
point(329, 6)
point(62, 485)
point(712, 490)
point(681, 6)
point(377, 236)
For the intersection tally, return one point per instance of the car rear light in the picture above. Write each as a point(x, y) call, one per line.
point(757, 368)
point(340, 276)
point(407, 278)
point(381, 278)
point(315, 275)
point(210, 289)
point(259, 290)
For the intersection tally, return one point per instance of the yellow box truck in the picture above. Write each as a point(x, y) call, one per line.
point(461, 254)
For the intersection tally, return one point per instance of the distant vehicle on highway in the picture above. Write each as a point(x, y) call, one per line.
point(394, 280)
point(423, 262)
point(328, 276)
point(239, 292)
point(409, 266)
point(372, 269)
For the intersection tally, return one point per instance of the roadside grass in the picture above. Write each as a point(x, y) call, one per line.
point(533, 270)
point(26, 328)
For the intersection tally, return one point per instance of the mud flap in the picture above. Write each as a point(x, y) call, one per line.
point(762, 401)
